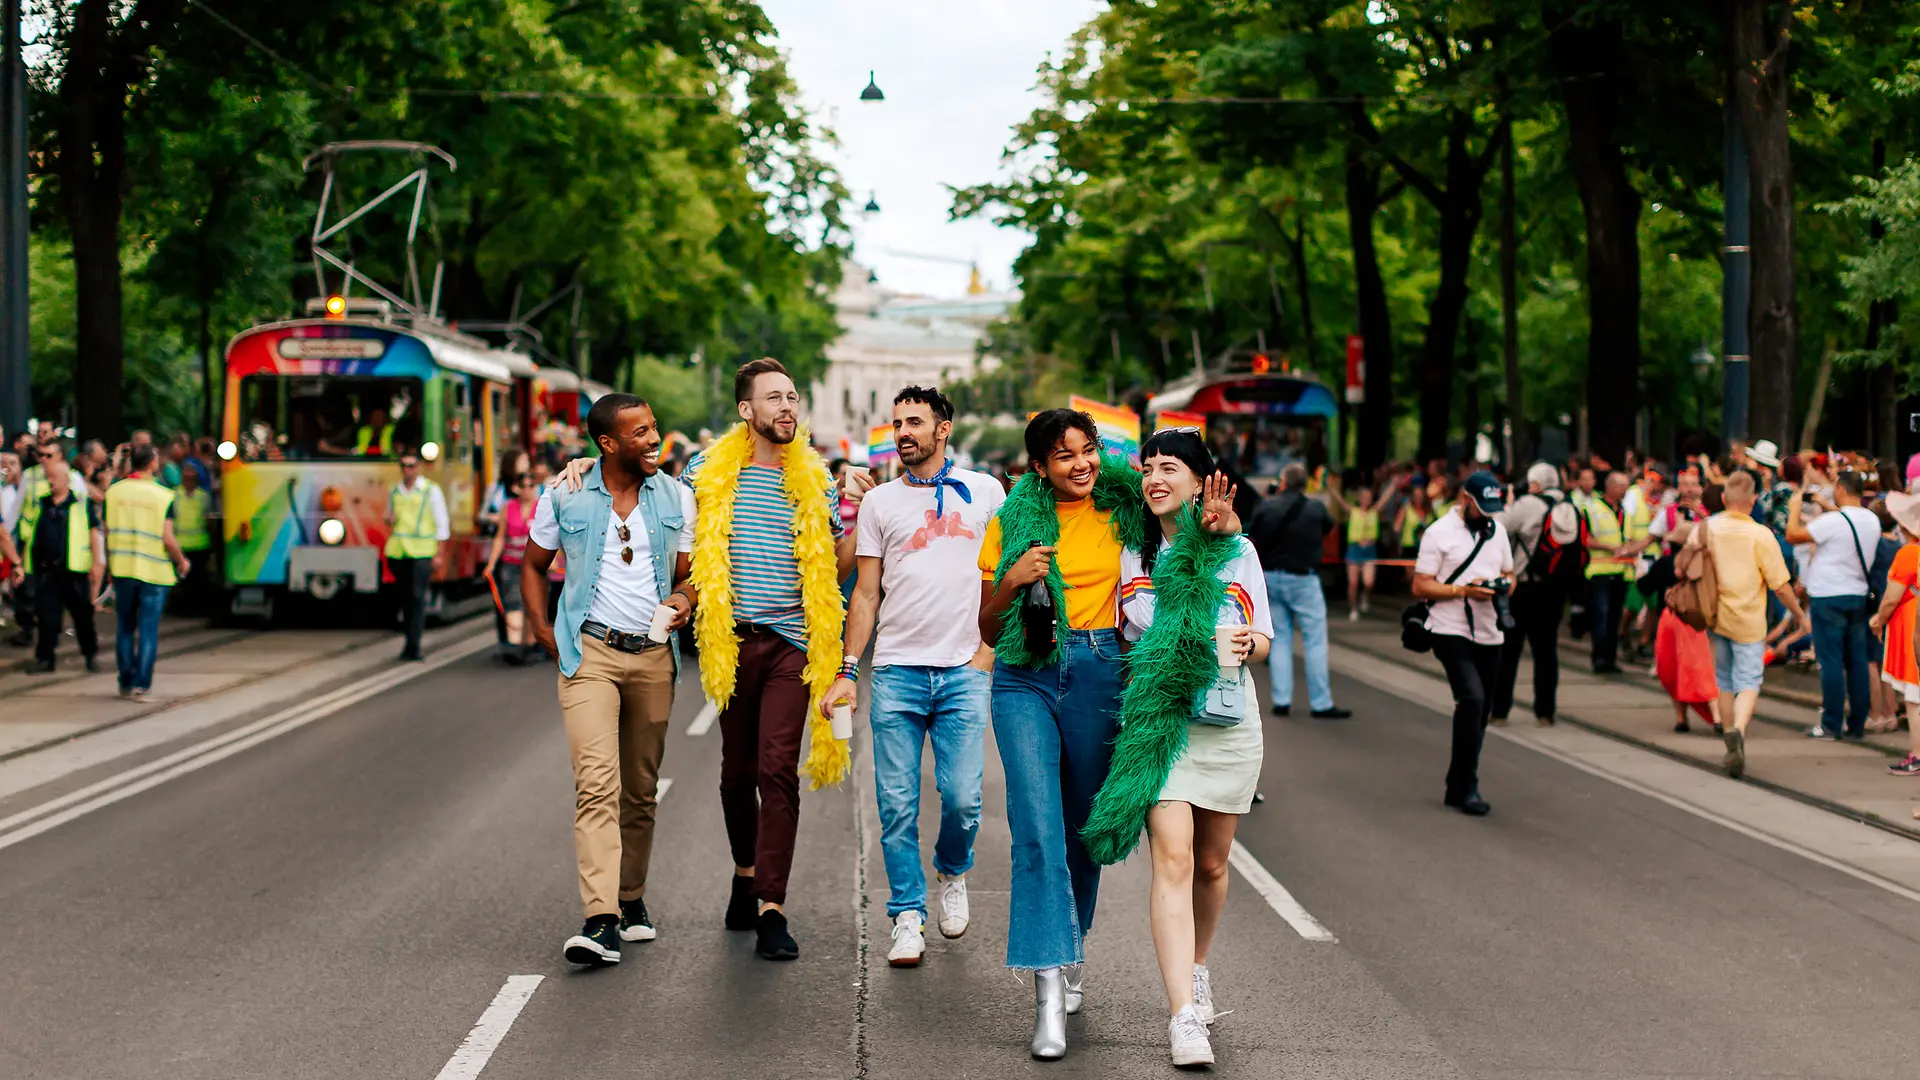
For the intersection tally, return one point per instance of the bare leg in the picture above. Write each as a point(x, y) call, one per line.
point(1170, 907)
point(517, 627)
point(1742, 706)
point(1353, 588)
point(1367, 573)
point(1212, 843)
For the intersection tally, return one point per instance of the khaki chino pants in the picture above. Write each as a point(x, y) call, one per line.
point(615, 708)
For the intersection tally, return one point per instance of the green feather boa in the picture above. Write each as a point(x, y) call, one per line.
point(1173, 663)
point(1028, 516)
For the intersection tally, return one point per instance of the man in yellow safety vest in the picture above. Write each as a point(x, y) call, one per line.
point(61, 545)
point(417, 516)
point(375, 437)
point(145, 559)
point(33, 488)
point(1609, 570)
point(192, 507)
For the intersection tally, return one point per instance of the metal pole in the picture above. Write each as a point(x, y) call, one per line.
point(1736, 275)
point(15, 357)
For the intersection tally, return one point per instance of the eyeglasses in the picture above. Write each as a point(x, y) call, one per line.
point(626, 537)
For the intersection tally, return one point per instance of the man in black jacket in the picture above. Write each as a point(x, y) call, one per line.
point(1289, 533)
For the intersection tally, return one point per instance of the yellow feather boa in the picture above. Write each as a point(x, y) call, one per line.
point(805, 479)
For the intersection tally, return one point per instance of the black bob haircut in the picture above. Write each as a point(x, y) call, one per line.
point(606, 409)
point(1186, 446)
point(929, 396)
point(1047, 428)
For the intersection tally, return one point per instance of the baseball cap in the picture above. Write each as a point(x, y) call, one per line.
point(1485, 490)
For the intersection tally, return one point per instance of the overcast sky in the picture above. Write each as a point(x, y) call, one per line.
point(957, 78)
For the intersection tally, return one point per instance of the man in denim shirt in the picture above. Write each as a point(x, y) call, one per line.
point(627, 532)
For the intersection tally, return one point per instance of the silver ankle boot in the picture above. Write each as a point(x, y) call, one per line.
point(1076, 978)
point(1049, 1016)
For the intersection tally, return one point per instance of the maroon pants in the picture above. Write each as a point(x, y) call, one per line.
point(761, 733)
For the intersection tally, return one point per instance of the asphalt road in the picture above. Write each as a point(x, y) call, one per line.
point(346, 900)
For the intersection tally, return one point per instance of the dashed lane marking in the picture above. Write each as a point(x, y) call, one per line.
point(484, 1039)
point(703, 720)
point(1277, 896)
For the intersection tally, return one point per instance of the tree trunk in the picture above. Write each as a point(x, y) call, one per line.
point(1301, 281)
point(1759, 38)
point(1373, 318)
point(1612, 209)
point(1460, 209)
point(1518, 419)
point(1882, 382)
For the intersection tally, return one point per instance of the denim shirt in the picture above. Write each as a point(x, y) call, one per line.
point(582, 516)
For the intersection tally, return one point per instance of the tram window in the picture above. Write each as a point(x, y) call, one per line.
point(1261, 445)
point(307, 417)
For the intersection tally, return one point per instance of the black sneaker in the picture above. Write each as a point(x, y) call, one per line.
point(635, 923)
point(39, 667)
point(742, 912)
point(1332, 713)
point(1283, 710)
point(598, 942)
point(775, 943)
point(93, 664)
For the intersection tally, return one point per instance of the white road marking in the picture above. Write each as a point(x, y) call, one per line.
point(660, 789)
point(703, 720)
point(477, 1050)
point(1277, 896)
point(53, 813)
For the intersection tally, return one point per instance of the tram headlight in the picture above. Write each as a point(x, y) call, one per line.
point(430, 451)
point(336, 307)
point(226, 450)
point(333, 531)
point(331, 500)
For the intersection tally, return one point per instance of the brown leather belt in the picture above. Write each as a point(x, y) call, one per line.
point(624, 640)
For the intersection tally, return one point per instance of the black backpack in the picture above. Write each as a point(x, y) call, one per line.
point(1552, 561)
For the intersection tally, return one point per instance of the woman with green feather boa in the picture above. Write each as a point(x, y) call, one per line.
point(1066, 522)
point(1188, 754)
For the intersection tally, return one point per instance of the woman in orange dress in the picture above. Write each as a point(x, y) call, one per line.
point(1683, 656)
point(1895, 619)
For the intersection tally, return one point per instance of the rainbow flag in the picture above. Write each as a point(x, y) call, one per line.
point(880, 448)
point(1175, 418)
point(1119, 427)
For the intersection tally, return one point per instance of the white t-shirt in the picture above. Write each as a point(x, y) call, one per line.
point(930, 611)
point(1245, 603)
point(625, 596)
point(1835, 571)
point(1443, 547)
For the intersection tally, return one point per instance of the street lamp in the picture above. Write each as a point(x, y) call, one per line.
point(873, 203)
point(872, 92)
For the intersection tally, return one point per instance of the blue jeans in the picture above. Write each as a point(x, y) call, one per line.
point(1296, 599)
point(1841, 641)
point(136, 639)
point(910, 705)
point(1055, 728)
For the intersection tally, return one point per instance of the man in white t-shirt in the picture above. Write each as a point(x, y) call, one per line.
point(627, 533)
point(919, 539)
point(1836, 584)
point(1464, 557)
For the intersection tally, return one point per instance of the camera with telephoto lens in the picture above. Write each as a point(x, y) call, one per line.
point(1502, 602)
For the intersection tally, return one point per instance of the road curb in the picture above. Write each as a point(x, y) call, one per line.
point(1838, 809)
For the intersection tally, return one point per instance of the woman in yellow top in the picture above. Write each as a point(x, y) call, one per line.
point(1056, 685)
point(1412, 519)
point(1363, 548)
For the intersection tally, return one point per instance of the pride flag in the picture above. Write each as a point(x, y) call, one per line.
point(1119, 428)
point(880, 448)
point(1173, 418)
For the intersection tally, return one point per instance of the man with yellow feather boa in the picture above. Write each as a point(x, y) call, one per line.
point(768, 557)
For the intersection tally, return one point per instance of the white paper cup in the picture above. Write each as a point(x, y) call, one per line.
point(842, 720)
point(657, 630)
point(1223, 636)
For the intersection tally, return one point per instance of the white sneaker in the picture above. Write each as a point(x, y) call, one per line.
point(1187, 1033)
point(1353, 614)
point(954, 913)
point(909, 941)
point(1203, 993)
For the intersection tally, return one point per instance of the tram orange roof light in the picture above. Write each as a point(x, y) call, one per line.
point(1261, 365)
point(336, 307)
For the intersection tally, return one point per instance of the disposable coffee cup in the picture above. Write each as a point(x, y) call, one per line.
point(662, 616)
point(842, 720)
point(1223, 636)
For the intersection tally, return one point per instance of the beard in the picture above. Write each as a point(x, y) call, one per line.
point(915, 453)
point(770, 431)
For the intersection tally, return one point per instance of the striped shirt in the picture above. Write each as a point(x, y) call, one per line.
point(766, 577)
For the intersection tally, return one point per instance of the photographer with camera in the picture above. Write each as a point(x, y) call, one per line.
point(1465, 570)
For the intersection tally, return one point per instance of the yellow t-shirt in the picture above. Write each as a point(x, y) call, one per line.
point(1747, 566)
point(1089, 561)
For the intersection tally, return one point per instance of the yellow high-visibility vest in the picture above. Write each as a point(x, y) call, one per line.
point(1363, 527)
point(1410, 525)
point(415, 533)
point(190, 511)
point(363, 441)
point(35, 486)
point(136, 531)
point(1604, 524)
point(79, 540)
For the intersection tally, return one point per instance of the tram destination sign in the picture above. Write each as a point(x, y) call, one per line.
point(330, 348)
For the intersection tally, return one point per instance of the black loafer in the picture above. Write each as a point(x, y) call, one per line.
point(1473, 806)
point(775, 942)
point(1334, 713)
point(1283, 710)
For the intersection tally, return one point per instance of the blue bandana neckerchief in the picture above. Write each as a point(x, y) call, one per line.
point(940, 482)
